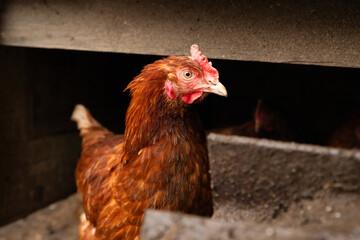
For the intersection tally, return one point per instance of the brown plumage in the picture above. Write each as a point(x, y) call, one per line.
point(347, 135)
point(161, 161)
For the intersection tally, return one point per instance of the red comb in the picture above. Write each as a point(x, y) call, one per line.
point(211, 74)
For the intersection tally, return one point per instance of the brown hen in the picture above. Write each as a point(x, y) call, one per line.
point(266, 123)
point(161, 161)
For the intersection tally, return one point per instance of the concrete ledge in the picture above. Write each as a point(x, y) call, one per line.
point(166, 225)
point(268, 176)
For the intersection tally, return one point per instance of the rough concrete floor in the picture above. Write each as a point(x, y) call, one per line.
point(58, 221)
point(325, 213)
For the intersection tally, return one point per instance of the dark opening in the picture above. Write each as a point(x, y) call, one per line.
point(39, 88)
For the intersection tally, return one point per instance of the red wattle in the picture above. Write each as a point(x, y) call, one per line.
point(191, 97)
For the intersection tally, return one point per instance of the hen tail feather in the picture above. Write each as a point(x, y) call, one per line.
point(90, 129)
point(85, 122)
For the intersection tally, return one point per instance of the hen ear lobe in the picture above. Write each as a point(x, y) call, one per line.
point(169, 89)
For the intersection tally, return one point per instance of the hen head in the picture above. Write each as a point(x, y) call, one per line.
point(182, 79)
point(191, 78)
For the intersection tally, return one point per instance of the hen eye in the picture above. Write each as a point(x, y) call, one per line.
point(187, 74)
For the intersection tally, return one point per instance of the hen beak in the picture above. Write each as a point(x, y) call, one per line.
point(218, 89)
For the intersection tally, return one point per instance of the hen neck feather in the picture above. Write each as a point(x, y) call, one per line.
point(153, 117)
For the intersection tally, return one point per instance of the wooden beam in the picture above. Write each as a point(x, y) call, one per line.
point(301, 32)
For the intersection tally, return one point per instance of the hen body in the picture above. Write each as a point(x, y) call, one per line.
point(267, 123)
point(161, 161)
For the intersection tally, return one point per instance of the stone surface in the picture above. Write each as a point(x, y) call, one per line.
point(55, 222)
point(304, 32)
point(176, 226)
point(261, 178)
